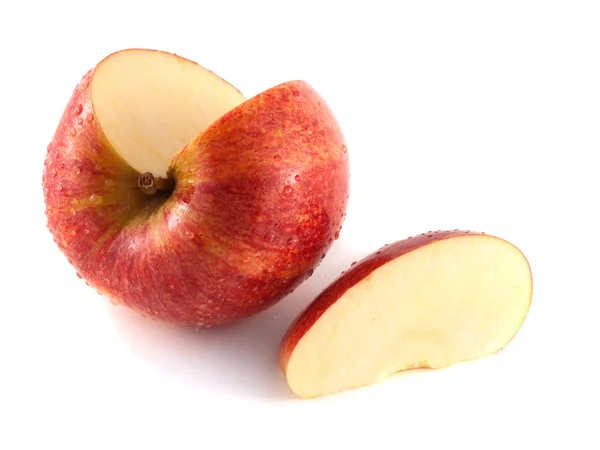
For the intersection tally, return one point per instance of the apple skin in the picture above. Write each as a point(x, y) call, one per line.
point(260, 196)
point(357, 272)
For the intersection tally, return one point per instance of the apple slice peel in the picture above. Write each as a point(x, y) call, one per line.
point(428, 302)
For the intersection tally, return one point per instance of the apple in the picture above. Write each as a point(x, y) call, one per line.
point(172, 194)
point(427, 302)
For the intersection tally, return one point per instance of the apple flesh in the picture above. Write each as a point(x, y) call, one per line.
point(150, 104)
point(172, 194)
point(427, 302)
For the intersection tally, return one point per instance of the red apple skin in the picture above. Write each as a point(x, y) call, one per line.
point(260, 197)
point(357, 272)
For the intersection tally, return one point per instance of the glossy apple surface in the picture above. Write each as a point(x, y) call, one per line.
point(171, 193)
point(426, 302)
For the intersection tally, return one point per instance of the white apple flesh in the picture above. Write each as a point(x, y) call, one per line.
point(151, 104)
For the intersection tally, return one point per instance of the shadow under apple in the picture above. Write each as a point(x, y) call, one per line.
point(238, 359)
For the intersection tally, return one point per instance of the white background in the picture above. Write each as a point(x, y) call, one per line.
point(458, 114)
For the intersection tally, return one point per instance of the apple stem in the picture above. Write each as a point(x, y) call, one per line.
point(150, 185)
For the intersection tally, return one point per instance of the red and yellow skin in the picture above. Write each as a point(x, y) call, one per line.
point(357, 272)
point(259, 197)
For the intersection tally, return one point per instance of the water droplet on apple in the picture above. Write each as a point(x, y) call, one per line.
point(96, 200)
point(79, 121)
point(297, 178)
point(353, 263)
point(270, 236)
point(171, 287)
point(344, 149)
point(336, 235)
point(276, 157)
point(86, 231)
point(189, 235)
point(90, 117)
point(310, 272)
point(292, 241)
point(295, 91)
point(59, 188)
point(53, 172)
point(108, 182)
point(287, 191)
point(79, 275)
point(323, 256)
point(78, 109)
point(430, 235)
point(73, 212)
point(73, 131)
point(77, 170)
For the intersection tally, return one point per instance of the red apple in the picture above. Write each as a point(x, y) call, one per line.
point(172, 194)
point(426, 302)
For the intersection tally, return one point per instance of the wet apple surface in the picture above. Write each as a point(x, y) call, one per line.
point(186, 202)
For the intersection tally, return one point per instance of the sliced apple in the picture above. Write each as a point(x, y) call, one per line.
point(150, 104)
point(427, 302)
point(171, 195)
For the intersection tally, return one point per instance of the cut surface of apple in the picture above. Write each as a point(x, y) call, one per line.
point(150, 104)
point(426, 302)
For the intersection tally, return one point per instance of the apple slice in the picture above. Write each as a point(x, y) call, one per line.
point(427, 302)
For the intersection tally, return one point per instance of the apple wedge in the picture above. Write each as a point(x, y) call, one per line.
point(172, 194)
point(427, 302)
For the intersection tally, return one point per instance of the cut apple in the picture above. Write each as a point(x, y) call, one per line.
point(150, 104)
point(171, 195)
point(426, 302)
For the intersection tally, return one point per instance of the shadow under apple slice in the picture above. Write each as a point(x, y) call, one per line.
point(238, 359)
